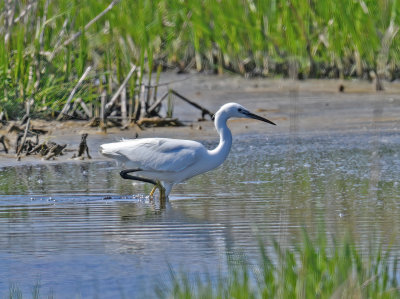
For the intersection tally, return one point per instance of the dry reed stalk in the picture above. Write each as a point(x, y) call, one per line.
point(123, 107)
point(74, 107)
point(130, 108)
point(117, 93)
point(9, 18)
point(23, 138)
point(156, 103)
point(59, 40)
point(45, 10)
point(142, 101)
point(87, 26)
point(84, 107)
point(66, 106)
point(103, 100)
point(24, 12)
point(383, 55)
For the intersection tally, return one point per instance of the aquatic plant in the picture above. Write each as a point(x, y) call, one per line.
point(48, 45)
point(313, 269)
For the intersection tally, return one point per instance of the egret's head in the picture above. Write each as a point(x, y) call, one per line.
point(236, 110)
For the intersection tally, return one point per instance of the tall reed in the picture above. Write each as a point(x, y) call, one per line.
point(49, 44)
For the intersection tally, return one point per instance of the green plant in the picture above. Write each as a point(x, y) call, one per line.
point(312, 270)
point(49, 44)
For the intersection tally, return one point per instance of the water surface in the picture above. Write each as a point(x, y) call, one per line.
point(79, 229)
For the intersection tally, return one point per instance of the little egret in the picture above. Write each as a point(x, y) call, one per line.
point(165, 162)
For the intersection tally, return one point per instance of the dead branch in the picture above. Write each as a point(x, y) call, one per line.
point(54, 151)
point(28, 105)
point(159, 122)
point(14, 128)
point(204, 111)
point(74, 110)
point(83, 147)
point(36, 149)
point(44, 148)
point(5, 142)
point(157, 103)
point(24, 138)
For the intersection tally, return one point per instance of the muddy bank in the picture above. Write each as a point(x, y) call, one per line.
point(298, 107)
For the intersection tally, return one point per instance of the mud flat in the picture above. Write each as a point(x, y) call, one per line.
point(298, 107)
point(329, 164)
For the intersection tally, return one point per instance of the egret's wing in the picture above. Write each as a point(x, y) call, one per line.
point(160, 154)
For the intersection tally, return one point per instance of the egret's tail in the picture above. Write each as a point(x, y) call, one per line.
point(111, 150)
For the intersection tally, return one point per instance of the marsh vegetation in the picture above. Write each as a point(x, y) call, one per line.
point(76, 53)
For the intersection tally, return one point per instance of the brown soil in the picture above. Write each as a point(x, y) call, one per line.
point(298, 107)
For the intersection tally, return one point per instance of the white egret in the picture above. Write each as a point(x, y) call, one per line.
point(165, 162)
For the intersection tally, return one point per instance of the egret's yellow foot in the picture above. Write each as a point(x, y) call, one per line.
point(162, 193)
point(160, 188)
point(153, 190)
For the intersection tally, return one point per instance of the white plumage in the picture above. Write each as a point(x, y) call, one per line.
point(139, 153)
point(171, 161)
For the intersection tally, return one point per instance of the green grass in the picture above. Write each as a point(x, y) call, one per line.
point(252, 37)
point(311, 270)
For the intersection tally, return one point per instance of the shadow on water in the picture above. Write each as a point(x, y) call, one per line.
point(81, 229)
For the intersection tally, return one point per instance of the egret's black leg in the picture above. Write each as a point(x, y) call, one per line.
point(157, 185)
point(124, 174)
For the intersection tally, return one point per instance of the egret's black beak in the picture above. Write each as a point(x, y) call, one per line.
point(255, 116)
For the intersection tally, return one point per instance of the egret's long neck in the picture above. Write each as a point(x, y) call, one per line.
point(220, 153)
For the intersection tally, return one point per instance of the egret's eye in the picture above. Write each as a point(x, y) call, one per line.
point(240, 109)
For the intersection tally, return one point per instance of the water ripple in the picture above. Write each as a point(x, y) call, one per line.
point(80, 225)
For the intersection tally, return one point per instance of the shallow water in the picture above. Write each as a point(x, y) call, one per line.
point(79, 229)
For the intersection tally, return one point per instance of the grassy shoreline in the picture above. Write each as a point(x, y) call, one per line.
point(48, 45)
